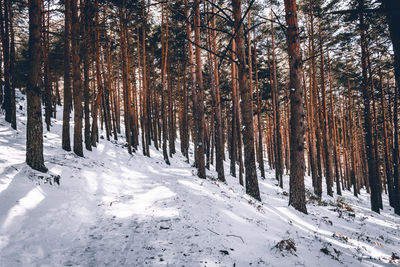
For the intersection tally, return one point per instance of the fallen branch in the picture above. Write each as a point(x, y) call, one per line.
point(237, 237)
point(212, 231)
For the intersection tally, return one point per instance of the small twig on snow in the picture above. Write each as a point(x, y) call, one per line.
point(237, 237)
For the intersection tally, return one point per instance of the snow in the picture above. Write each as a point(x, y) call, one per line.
point(116, 209)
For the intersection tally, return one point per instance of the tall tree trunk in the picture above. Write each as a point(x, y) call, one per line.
point(350, 141)
point(125, 83)
point(277, 119)
point(245, 105)
point(12, 61)
point(219, 145)
point(1, 55)
point(6, 56)
point(99, 86)
point(314, 102)
point(34, 129)
point(46, 70)
point(192, 76)
point(388, 167)
point(200, 121)
point(66, 143)
point(333, 131)
point(146, 107)
point(164, 55)
point(233, 147)
point(171, 118)
point(297, 164)
point(324, 123)
point(185, 115)
point(87, 11)
point(391, 9)
point(154, 100)
point(76, 79)
point(373, 179)
point(259, 103)
point(396, 180)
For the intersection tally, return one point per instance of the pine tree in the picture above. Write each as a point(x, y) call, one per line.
point(297, 163)
point(34, 128)
point(245, 105)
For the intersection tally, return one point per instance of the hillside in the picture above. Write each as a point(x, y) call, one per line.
point(113, 209)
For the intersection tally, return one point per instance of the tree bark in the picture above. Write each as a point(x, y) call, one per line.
point(373, 179)
point(200, 121)
point(76, 79)
point(164, 55)
point(125, 83)
point(87, 11)
point(12, 61)
point(297, 164)
point(392, 8)
point(6, 56)
point(219, 145)
point(277, 119)
point(245, 105)
point(34, 131)
point(66, 143)
point(324, 123)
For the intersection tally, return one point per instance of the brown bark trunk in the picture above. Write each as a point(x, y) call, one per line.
point(76, 79)
point(277, 117)
point(193, 80)
point(66, 143)
point(373, 179)
point(219, 145)
point(259, 103)
point(125, 83)
point(145, 103)
point(332, 123)
point(324, 123)
point(314, 102)
point(245, 105)
point(234, 136)
point(200, 121)
point(392, 7)
point(297, 163)
point(388, 167)
point(46, 70)
point(86, 9)
point(164, 55)
point(12, 61)
point(7, 104)
point(34, 129)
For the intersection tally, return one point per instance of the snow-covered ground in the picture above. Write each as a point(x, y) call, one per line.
point(114, 209)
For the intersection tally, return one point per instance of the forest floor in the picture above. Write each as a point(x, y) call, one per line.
point(115, 209)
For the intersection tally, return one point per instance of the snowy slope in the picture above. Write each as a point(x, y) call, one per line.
point(114, 209)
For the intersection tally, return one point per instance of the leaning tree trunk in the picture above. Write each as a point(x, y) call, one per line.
point(245, 105)
point(34, 129)
point(297, 163)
